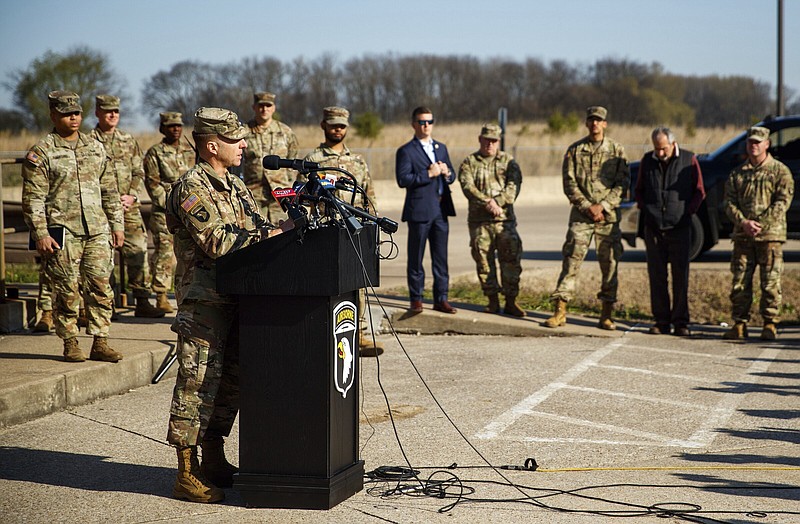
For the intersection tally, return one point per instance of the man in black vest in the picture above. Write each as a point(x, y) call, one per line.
point(669, 190)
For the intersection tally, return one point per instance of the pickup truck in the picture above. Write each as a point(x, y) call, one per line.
point(711, 224)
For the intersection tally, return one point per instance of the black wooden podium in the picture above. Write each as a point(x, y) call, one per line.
point(298, 421)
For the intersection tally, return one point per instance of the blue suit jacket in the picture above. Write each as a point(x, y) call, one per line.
point(422, 202)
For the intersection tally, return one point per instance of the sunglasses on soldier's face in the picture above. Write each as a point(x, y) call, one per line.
point(425, 122)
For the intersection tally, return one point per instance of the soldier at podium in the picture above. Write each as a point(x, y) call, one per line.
point(210, 213)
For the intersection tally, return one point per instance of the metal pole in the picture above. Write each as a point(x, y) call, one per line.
point(2, 243)
point(502, 119)
point(781, 109)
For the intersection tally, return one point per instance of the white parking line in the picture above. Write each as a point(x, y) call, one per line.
point(650, 372)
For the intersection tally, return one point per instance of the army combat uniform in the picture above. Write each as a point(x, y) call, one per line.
point(68, 184)
point(125, 164)
point(762, 193)
point(495, 177)
point(593, 174)
point(163, 164)
point(274, 139)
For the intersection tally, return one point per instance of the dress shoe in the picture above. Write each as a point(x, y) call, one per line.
point(658, 329)
point(416, 306)
point(682, 331)
point(444, 307)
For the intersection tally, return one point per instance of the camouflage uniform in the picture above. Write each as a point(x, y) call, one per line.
point(762, 193)
point(163, 164)
point(495, 177)
point(209, 216)
point(276, 138)
point(69, 185)
point(354, 164)
point(125, 162)
point(593, 176)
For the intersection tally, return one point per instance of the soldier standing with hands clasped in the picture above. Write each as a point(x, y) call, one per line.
point(757, 196)
point(67, 189)
point(211, 213)
point(596, 175)
point(491, 181)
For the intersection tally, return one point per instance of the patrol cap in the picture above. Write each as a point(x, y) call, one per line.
point(171, 118)
point(264, 97)
point(336, 115)
point(65, 102)
point(106, 102)
point(491, 131)
point(758, 134)
point(218, 121)
point(597, 112)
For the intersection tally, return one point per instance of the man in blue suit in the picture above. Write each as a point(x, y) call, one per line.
point(423, 168)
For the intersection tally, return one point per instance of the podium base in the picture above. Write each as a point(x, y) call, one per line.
point(262, 490)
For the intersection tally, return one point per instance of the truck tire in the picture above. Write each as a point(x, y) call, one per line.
point(697, 247)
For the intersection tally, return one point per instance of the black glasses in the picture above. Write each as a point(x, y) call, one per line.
point(425, 122)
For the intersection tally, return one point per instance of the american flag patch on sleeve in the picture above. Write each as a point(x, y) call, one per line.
point(190, 202)
point(32, 157)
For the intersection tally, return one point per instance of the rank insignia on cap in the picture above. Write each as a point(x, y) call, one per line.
point(32, 157)
point(190, 202)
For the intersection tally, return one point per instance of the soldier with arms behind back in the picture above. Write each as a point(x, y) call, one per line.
point(211, 213)
point(68, 188)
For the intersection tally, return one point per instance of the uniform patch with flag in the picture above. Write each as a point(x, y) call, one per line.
point(190, 202)
point(33, 158)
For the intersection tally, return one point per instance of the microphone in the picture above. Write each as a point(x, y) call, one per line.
point(274, 162)
point(284, 196)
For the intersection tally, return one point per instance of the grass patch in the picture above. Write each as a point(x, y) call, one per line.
point(709, 291)
point(22, 273)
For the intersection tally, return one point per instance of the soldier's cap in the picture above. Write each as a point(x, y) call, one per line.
point(491, 131)
point(758, 134)
point(218, 121)
point(64, 102)
point(264, 97)
point(597, 112)
point(106, 102)
point(336, 115)
point(171, 118)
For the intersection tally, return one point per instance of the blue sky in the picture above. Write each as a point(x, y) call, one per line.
point(691, 37)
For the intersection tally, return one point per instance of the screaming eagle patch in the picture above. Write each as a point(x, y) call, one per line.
point(345, 327)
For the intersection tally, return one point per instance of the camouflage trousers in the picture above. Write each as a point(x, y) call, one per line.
point(205, 400)
point(608, 245)
point(86, 263)
point(134, 254)
point(44, 301)
point(769, 257)
point(496, 240)
point(163, 261)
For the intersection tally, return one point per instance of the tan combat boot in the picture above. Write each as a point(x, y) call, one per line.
point(560, 317)
point(72, 351)
point(737, 332)
point(494, 304)
point(367, 348)
point(191, 485)
point(605, 317)
point(102, 352)
point(144, 309)
point(511, 308)
point(215, 467)
point(162, 303)
point(45, 324)
point(769, 331)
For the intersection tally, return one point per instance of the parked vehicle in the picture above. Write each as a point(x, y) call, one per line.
point(711, 224)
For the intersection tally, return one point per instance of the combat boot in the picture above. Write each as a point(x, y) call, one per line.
point(560, 317)
point(215, 467)
point(45, 324)
point(769, 331)
point(511, 308)
point(366, 348)
point(191, 485)
point(144, 309)
point(162, 303)
point(605, 317)
point(102, 352)
point(494, 304)
point(72, 351)
point(737, 332)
